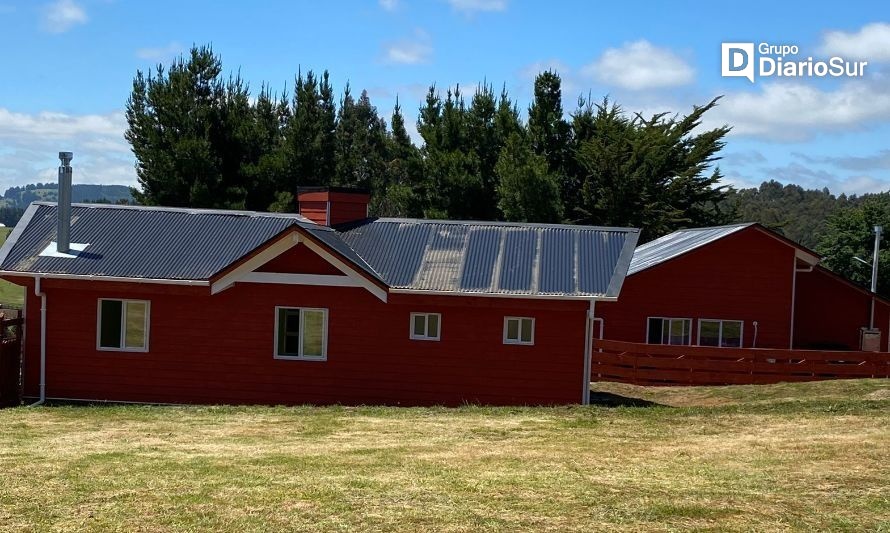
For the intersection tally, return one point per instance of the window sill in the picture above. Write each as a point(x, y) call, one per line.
point(123, 350)
point(299, 358)
point(425, 339)
point(518, 343)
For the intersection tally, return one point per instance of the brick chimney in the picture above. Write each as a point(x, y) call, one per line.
point(330, 206)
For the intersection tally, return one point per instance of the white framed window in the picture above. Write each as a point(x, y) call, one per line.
point(519, 330)
point(426, 326)
point(666, 330)
point(301, 333)
point(721, 333)
point(122, 325)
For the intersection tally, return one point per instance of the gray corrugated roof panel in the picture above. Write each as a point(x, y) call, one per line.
point(678, 243)
point(144, 242)
point(495, 257)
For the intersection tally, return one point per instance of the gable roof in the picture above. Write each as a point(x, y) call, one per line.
point(683, 241)
point(678, 243)
point(150, 242)
point(201, 246)
point(496, 258)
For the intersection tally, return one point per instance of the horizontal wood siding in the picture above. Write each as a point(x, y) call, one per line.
point(300, 259)
point(830, 313)
point(745, 276)
point(218, 349)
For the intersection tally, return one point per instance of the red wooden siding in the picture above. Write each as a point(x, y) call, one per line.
point(316, 211)
point(830, 312)
point(219, 349)
point(344, 206)
point(300, 259)
point(746, 276)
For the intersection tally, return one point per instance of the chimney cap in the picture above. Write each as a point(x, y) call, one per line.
point(66, 157)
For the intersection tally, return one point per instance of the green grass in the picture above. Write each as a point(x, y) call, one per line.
point(784, 457)
point(10, 294)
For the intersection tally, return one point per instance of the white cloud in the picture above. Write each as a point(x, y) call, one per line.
point(29, 145)
point(62, 15)
point(877, 161)
point(640, 65)
point(410, 51)
point(871, 42)
point(160, 52)
point(470, 7)
point(389, 5)
point(796, 111)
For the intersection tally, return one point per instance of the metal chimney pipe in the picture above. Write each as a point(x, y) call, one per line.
point(63, 237)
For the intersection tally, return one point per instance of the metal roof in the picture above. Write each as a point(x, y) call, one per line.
point(145, 242)
point(678, 243)
point(495, 257)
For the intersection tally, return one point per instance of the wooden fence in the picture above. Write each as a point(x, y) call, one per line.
point(652, 364)
point(10, 361)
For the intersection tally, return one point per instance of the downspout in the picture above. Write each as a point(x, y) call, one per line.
point(42, 295)
point(793, 301)
point(588, 353)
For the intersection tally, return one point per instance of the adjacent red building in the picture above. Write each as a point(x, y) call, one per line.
point(742, 286)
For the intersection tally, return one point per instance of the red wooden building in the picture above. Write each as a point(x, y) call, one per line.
point(195, 306)
point(741, 286)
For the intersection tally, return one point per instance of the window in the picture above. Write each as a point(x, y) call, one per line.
point(301, 333)
point(723, 333)
point(519, 330)
point(669, 331)
point(425, 326)
point(122, 325)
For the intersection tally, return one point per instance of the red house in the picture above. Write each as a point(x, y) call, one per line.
point(153, 304)
point(741, 286)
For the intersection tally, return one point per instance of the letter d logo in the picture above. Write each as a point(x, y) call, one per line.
point(737, 60)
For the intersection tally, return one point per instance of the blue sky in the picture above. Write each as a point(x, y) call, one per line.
point(67, 67)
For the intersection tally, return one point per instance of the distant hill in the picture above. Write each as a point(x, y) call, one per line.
point(20, 197)
point(16, 199)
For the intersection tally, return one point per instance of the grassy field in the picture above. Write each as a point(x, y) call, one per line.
point(769, 458)
point(10, 294)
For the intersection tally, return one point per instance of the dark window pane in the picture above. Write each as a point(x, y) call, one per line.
point(654, 331)
point(709, 333)
point(419, 325)
point(432, 326)
point(512, 329)
point(110, 324)
point(288, 332)
point(526, 330)
point(732, 334)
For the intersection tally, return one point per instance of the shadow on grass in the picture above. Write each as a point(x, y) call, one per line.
point(608, 399)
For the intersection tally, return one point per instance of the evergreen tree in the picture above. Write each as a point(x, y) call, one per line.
point(404, 172)
point(549, 133)
point(652, 174)
point(527, 190)
point(187, 130)
point(849, 233)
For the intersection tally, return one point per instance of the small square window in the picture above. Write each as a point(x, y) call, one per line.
point(519, 330)
point(301, 333)
point(123, 325)
point(425, 326)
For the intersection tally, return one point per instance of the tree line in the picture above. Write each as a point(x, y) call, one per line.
point(201, 139)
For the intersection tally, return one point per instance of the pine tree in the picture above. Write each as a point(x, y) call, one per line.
point(187, 130)
point(549, 133)
point(527, 191)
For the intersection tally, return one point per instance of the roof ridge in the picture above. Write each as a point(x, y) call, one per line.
point(501, 223)
point(190, 210)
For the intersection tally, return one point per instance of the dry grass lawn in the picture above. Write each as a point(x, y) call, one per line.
point(771, 458)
